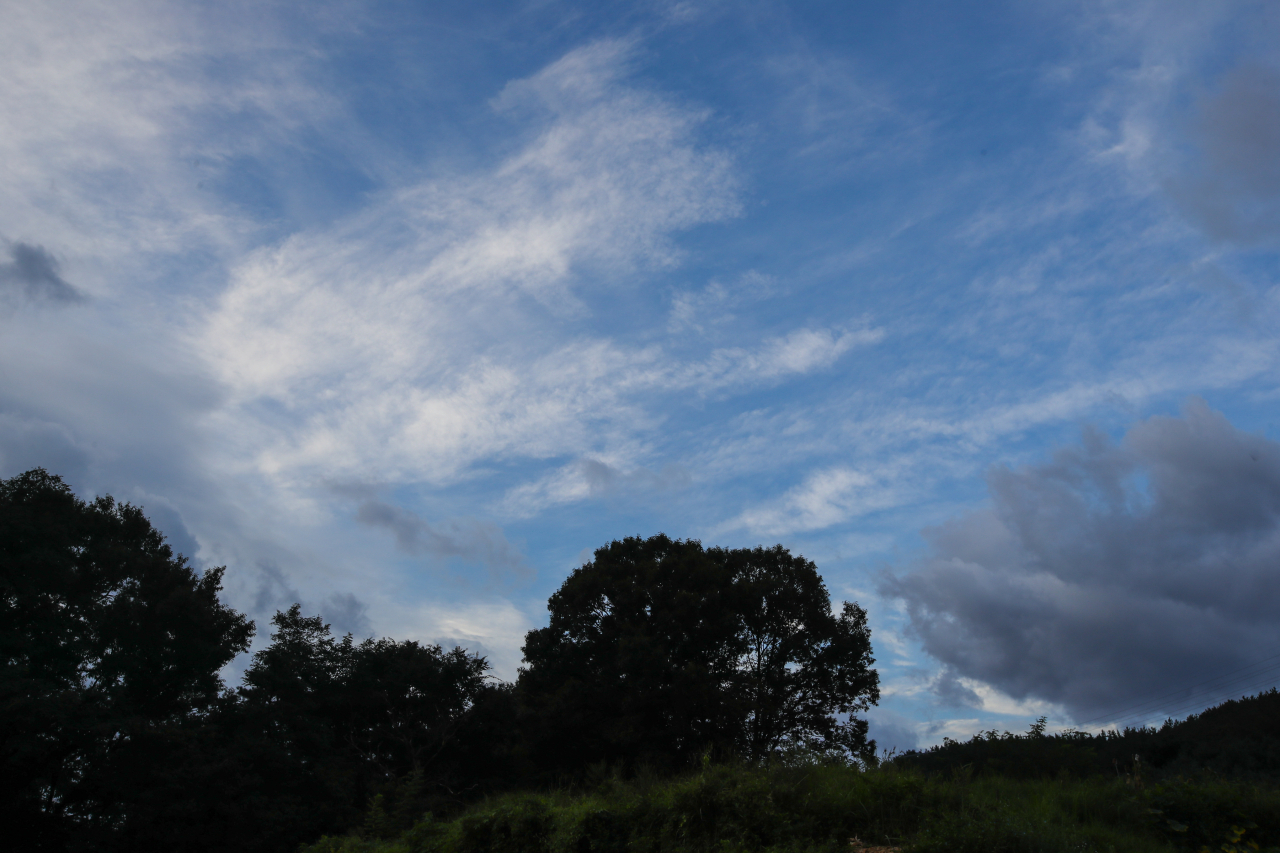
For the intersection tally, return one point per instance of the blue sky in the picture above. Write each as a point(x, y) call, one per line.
point(402, 309)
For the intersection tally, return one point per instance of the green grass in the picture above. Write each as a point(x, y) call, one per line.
point(822, 807)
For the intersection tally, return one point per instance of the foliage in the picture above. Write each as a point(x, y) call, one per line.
point(827, 806)
point(343, 722)
point(116, 731)
point(1239, 738)
point(1216, 813)
point(659, 650)
point(800, 663)
point(700, 699)
point(635, 662)
point(111, 648)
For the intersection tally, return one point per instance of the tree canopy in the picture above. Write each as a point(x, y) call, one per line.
point(801, 665)
point(660, 649)
point(333, 722)
point(107, 639)
point(118, 733)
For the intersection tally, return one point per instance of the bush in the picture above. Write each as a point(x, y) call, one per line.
point(517, 824)
point(815, 807)
point(1215, 813)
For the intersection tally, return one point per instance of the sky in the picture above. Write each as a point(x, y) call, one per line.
point(399, 310)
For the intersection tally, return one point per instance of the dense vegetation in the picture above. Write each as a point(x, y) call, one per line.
point(997, 793)
point(659, 651)
point(1239, 739)
point(117, 733)
point(681, 698)
point(823, 806)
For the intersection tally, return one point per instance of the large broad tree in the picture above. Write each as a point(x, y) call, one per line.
point(639, 661)
point(804, 670)
point(109, 645)
point(658, 650)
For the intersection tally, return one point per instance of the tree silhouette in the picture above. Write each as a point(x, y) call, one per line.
point(110, 643)
point(801, 664)
point(659, 650)
point(335, 722)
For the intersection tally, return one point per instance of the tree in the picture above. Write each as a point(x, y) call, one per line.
point(109, 643)
point(639, 660)
point(408, 702)
point(802, 664)
point(341, 721)
point(658, 650)
point(116, 732)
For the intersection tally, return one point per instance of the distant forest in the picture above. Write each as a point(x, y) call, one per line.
point(662, 657)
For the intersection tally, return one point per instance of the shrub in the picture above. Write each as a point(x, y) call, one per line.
point(822, 807)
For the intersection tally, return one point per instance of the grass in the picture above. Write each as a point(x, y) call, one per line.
point(828, 807)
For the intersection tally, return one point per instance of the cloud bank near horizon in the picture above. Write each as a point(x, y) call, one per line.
point(1112, 574)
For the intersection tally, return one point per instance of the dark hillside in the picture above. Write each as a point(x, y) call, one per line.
point(1239, 739)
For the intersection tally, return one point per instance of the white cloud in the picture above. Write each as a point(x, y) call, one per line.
point(800, 351)
point(716, 304)
point(826, 497)
point(446, 329)
point(429, 331)
point(588, 478)
point(494, 626)
point(113, 115)
point(411, 338)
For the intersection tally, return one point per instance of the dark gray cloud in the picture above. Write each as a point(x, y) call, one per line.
point(32, 275)
point(27, 443)
point(1233, 190)
point(466, 539)
point(603, 479)
point(470, 645)
point(168, 521)
point(274, 592)
point(951, 692)
point(346, 614)
point(1115, 572)
point(892, 731)
point(342, 611)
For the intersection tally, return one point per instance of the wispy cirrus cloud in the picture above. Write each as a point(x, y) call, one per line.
point(611, 173)
point(826, 497)
point(436, 319)
point(767, 286)
point(120, 121)
point(591, 478)
point(798, 352)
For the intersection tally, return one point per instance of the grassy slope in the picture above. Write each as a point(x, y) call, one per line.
point(825, 807)
point(994, 793)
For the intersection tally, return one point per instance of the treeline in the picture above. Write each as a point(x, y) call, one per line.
point(117, 733)
point(1238, 739)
